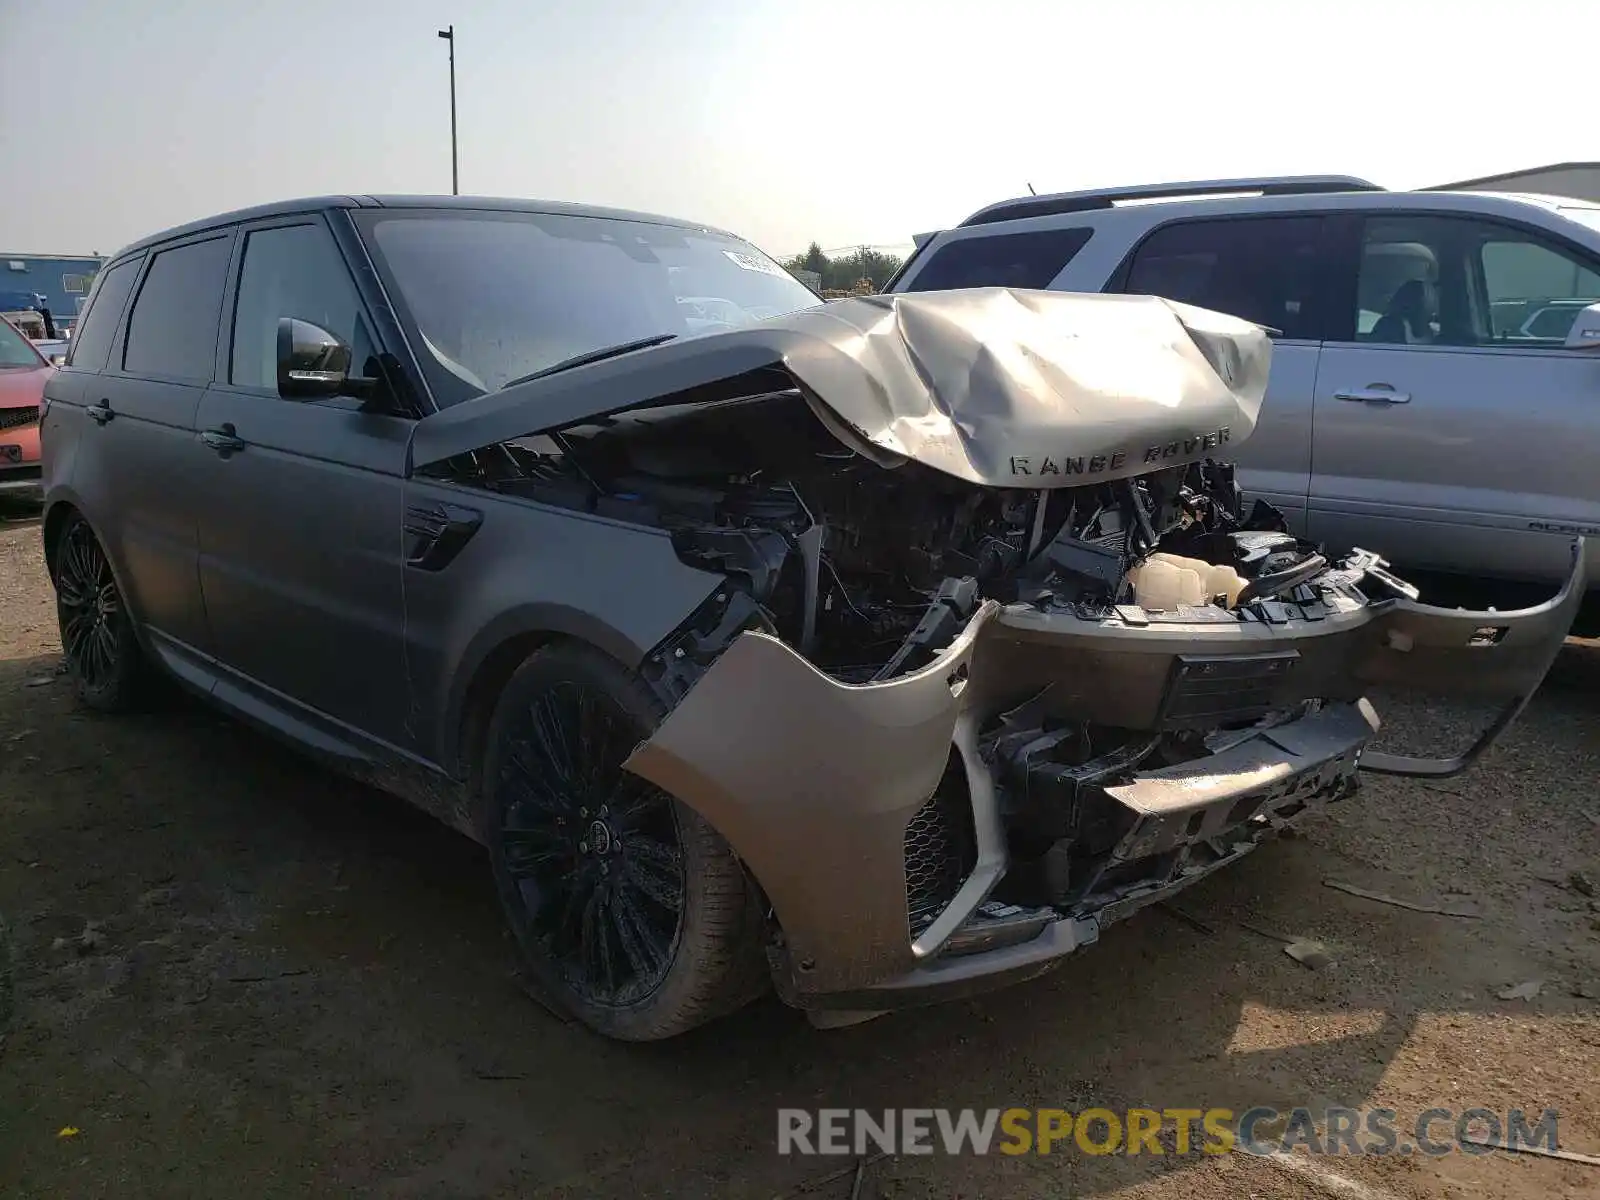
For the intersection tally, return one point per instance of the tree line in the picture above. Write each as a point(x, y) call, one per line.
point(846, 273)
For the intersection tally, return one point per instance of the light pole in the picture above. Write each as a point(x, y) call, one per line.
point(449, 35)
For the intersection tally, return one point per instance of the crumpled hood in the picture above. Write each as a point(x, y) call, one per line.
point(1008, 387)
point(995, 386)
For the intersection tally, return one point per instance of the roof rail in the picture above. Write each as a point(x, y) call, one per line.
point(1070, 202)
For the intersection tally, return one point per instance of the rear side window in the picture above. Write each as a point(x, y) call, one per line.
point(1017, 260)
point(173, 329)
point(1267, 270)
point(93, 336)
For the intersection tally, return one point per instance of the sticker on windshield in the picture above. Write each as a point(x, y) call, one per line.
point(750, 262)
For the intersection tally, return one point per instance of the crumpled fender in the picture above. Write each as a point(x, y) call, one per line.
point(813, 782)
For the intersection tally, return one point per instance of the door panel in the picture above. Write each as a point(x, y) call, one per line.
point(300, 543)
point(137, 469)
point(139, 475)
point(1274, 462)
point(1452, 431)
point(1489, 446)
point(300, 538)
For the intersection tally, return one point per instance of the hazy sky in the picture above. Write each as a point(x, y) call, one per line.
point(786, 120)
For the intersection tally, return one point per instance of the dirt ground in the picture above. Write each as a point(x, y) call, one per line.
point(234, 975)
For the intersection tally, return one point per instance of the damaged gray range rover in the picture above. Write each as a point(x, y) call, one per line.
point(881, 650)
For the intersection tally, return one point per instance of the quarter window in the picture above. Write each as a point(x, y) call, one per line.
point(292, 271)
point(173, 329)
point(1017, 260)
point(1266, 270)
point(93, 336)
point(1446, 281)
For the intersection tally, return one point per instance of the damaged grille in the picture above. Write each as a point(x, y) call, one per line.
point(16, 418)
point(1208, 692)
point(940, 850)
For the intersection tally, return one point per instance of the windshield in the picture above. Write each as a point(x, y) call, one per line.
point(15, 350)
point(500, 296)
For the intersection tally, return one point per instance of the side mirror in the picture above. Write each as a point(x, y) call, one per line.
point(58, 360)
point(312, 363)
point(1585, 331)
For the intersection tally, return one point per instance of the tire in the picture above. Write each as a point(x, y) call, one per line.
point(98, 640)
point(630, 912)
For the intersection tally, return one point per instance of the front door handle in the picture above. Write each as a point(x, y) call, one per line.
point(100, 413)
point(224, 441)
point(1374, 393)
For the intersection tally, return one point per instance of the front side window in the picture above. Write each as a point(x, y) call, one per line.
point(1262, 269)
point(1448, 281)
point(291, 271)
point(172, 331)
point(92, 338)
point(499, 296)
point(1015, 260)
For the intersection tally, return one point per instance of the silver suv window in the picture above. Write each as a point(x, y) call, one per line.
point(1263, 269)
point(1017, 260)
point(1454, 281)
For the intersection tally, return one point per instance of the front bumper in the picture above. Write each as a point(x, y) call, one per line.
point(824, 788)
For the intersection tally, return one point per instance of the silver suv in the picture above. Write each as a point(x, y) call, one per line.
point(1435, 382)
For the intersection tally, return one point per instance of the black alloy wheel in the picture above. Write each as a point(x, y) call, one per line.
point(97, 635)
point(594, 851)
point(630, 912)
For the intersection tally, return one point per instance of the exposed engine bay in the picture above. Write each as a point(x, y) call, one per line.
point(868, 571)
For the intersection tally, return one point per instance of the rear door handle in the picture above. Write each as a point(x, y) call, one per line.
point(1374, 393)
point(224, 441)
point(100, 413)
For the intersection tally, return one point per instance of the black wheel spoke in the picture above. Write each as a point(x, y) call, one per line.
point(656, 883)
point(78, 626)
point(538, 787)
point(597, 936)
point(631, 798)
point(527, 850)
point(70, 592)
point(639, 941)
point(568, 930)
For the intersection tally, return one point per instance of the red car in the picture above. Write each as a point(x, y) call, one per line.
point(23, 371)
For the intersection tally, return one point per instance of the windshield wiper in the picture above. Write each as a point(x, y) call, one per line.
point(589, 356)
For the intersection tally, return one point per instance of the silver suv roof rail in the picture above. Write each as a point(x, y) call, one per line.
point(1071, 202)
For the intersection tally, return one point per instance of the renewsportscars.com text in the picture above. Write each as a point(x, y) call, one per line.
point(1260, 1130)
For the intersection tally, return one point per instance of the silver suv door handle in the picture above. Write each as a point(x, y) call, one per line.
point(1376, 393)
